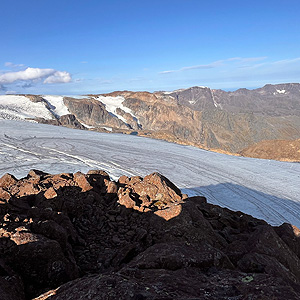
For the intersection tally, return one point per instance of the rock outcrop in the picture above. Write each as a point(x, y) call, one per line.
point(93, 113)
point(84, 236)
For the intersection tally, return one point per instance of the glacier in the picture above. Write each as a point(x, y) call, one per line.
point(266, 189)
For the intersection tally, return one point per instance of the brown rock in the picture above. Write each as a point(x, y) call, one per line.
point(112, 188)
point(37, 174)
point(4, 195)
point(98, 172)
point(70, 121)
point(170, 192)
point(123, 179)
point(50, 193)
point(170, 212)
point(82, 182)
point(7, 180)
point(28, 189)
point(125, 199)
point(154, 191)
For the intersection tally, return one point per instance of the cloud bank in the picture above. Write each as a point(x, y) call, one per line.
point(36, 74)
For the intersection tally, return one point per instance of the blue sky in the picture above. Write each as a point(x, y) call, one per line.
point(77, 47)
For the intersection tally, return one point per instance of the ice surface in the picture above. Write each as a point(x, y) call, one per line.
point(265, 189)
point(20, 107)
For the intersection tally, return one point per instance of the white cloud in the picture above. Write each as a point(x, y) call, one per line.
point(217, 63)
point(208, 66)
point(10, 92)
point(12, 65)
point(284, 63)
point(167, 72)
point(28, 74)
point(59, 77)
point(35, 74)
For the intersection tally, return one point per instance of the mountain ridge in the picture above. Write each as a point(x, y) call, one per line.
point(212, 119)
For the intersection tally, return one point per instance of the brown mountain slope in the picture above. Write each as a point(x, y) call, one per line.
point(209, 128)
point(284, 150)
point(272, 100)
point(199, 116)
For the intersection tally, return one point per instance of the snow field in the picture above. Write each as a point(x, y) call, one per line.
point(112, 103)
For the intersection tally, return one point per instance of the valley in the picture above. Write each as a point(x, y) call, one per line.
point(266, 189)
point(226, 122)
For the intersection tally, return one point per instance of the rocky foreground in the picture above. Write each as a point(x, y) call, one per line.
point(83, 236)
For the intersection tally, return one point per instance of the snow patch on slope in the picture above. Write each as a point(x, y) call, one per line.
point(214, 100)
point(112, 103)
point(14, 107)
point(57, 106)
point(281, 91)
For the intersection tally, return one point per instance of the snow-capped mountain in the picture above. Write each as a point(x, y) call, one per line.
point(198, 116)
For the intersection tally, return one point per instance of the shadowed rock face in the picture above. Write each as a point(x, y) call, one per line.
point(93, 113)
point(83, 236)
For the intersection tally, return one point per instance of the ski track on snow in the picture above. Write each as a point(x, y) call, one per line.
point(263, 188)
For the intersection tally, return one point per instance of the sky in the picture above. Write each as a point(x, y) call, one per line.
point(93, 46)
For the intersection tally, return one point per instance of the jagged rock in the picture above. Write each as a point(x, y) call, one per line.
point(92, 113)
point(7, 180)
point(37, 174)
point(50, 193)
point(154, 190)
point(4, 195)
point(82, 182)
point(136, 239)
point(70, 121)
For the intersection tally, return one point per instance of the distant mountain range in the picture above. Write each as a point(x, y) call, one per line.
point(232, 122)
